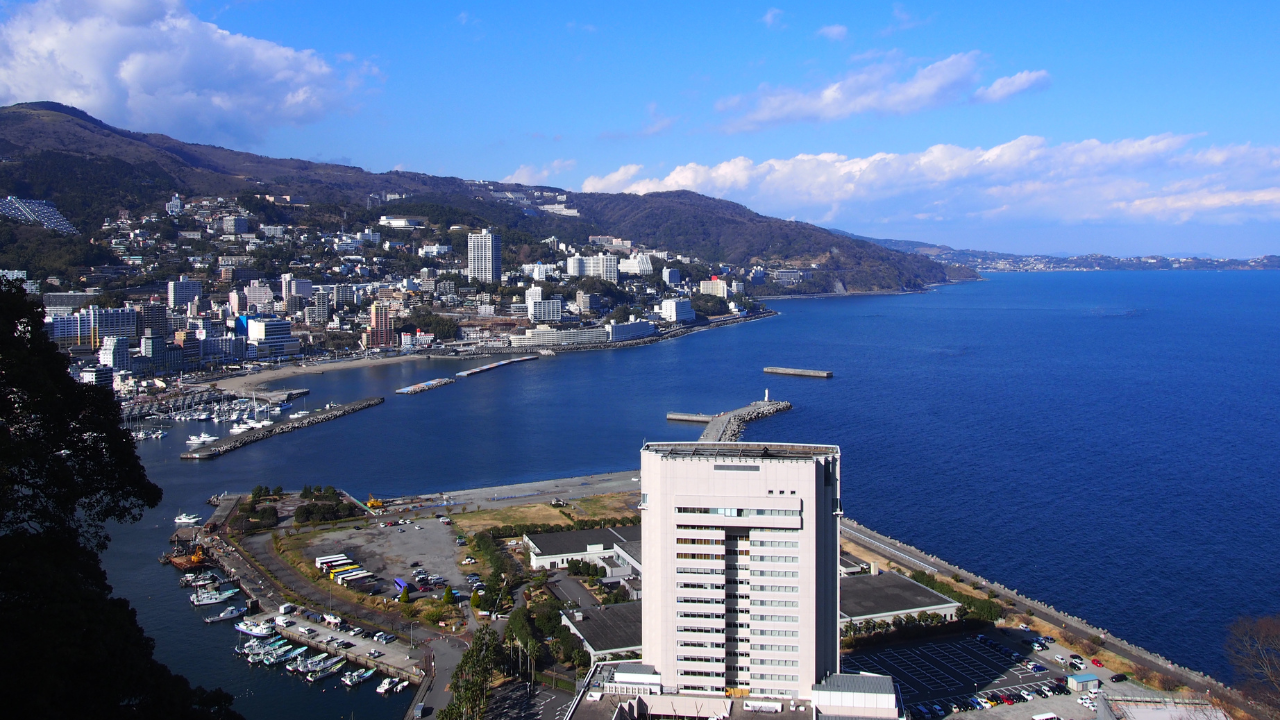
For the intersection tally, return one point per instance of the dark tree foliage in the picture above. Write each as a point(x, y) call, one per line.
point(1253, 647)
point(44, 253)
point(325, 512)
point(68, 469)
point(421, 318)
point(86, 190)
point(68, 466)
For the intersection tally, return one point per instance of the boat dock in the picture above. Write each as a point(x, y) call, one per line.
point(234, 442)
point(393, 662)
point(494, 366)
point(798, 372)
point(425, 386)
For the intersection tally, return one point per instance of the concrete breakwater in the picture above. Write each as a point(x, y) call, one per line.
point(798, 372)
point(729, 427)
point(234, 442)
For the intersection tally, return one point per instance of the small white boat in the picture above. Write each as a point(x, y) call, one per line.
point(325, 672)
point(385, 686)
point(402, 685)
point(230, 613)
point(355, 677)
point(186, 519)
point(256, 629)
point(201, 439)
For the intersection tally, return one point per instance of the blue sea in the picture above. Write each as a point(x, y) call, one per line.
point(1105, 442)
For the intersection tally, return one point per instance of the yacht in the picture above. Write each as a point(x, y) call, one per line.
point(186, 519)
point(201, 439)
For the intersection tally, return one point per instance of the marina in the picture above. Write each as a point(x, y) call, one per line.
point(425, 386)
point(494, 366)
point(221, 446)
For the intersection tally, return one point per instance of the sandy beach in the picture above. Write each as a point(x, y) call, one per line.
point(255, 381)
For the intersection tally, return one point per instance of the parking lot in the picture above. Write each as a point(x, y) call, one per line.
point(389, 552)
point(513, 702)
point(939, 677)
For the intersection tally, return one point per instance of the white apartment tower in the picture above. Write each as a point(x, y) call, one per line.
point(741, 549)
point(484, 256)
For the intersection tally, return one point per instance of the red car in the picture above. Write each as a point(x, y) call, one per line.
point(1097, 662)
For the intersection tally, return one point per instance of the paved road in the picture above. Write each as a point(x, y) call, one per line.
point(570, 590)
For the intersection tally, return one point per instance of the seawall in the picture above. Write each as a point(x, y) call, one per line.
point(235, 442)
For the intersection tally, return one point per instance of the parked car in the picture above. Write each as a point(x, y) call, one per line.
point(1059, 659)
point(1076, 657)
point(1028, 694)
point(1097, 662)
point(1119, 677)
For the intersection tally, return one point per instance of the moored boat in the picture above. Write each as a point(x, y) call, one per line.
point(256, 629)
point(385, 686)
point(401, 685)
point(230, 613)
point(212, 597)
point(326, 670)
point(355, 677)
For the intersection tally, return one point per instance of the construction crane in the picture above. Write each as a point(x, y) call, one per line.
point(373, 502)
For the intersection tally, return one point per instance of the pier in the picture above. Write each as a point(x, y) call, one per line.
point(494, 366)
point(798, 372)
point(234, 442)
point(425, 386)
point(395, 662)
point(690, 417)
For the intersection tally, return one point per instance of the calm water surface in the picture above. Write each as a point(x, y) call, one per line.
point(1105, 442)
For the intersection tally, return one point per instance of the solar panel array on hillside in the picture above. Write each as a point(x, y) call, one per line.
point(39, 211)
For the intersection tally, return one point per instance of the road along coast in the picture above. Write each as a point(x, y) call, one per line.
point(244, 384)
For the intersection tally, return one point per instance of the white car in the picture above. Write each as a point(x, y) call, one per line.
point(1059, 659)
point(1028, 694)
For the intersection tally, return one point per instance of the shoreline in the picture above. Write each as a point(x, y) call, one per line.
point(255, 381)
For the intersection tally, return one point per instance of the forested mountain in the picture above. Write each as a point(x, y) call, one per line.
point(91, 170)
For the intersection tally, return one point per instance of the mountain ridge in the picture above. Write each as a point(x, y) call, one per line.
point(44, 134)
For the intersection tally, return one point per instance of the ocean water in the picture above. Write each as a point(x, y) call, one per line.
point(1104, 442)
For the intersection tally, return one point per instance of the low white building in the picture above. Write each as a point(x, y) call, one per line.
point(544, 335)
point(634, 330)
point(549, 551)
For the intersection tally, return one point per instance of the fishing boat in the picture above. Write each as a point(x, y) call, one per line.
point(204, 579)
point(285, 656)
point(230, 613)
point(186, 519)
point(324, 672)
point(256, 629)
point(355, 677)
point(212, 597)
point(385, 686)
point(401, 685)
point(301, 664)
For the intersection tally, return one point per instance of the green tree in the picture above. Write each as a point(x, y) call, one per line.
point(69, 469)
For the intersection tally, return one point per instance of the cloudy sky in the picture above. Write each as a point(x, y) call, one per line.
point(1125, 128)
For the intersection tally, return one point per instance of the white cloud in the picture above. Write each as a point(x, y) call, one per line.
point(531, 175)
point(1006, 87)
point(834, 32)
point(873, 88)
point(1155, 178)
point(771, 17)
point(615, 181)
point(153, 65)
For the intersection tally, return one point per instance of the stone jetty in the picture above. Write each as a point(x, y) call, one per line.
point(729, 427)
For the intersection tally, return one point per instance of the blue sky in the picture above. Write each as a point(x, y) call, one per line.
point(1046, 127)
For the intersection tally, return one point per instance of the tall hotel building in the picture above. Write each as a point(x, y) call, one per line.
point(741, 580)
point(484, 256)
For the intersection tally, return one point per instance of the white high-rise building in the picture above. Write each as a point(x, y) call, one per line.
point(677, 310)
point(541, 310)
point(182, 291)
point(741, 553)
point(484, 256)
point(114, 353)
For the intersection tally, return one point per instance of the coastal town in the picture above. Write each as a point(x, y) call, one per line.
point(378, 289)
